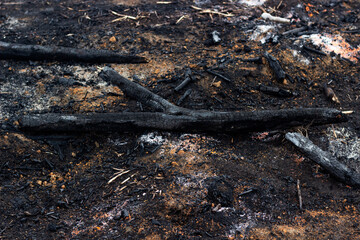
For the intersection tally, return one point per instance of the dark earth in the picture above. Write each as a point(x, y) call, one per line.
point(175, 185)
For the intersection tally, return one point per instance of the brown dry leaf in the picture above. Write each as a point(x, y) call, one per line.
point(112, 39)
point(217, 84)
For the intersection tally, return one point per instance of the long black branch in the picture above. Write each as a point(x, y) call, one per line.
point(200, 121)
point(174, 118)
point(37, 52)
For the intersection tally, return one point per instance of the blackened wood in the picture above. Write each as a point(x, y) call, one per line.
point(295, 30)
point(141, 94)
point(196, 121)
point(275, 91)
point(218, 75)
point(275, 66)
point(184, 96)
point(255, 59)
point(324, 159)
point(187, 79)
point(314, 50)
point(37, 52)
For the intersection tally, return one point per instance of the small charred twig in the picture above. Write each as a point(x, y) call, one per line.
point(37, 52)
point(288, 77)
point(295, 30)
point(275, 66)
point(186, 94)
point(307, 33)
point(314, 50)
point(299, 194)
point(255, 59)
point(188, 79)
point(324, 159)
point(218, 75)
point(280, 92)
point(247, 191)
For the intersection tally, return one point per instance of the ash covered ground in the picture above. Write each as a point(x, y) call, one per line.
point(168, 185)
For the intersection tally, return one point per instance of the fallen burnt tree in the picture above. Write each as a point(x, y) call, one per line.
point(324, 159)
point(199, 121)
point(37, 52)
point(174, 118)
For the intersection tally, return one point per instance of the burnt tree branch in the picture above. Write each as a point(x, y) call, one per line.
point(175, 118)
point(324, 159)
point(37, 52)
point(199, 121)
point(140, 93)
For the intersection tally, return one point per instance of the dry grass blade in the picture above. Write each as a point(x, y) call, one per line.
point(116, 175)
point(122, 16)
point(209, 11)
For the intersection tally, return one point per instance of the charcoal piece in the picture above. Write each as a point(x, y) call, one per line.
point(314, 50)
point(220, 191)
point(219, 75)
point(295, 30)
point(183, 97)
point(275, 91)
point(275, 66)
point(187, 79)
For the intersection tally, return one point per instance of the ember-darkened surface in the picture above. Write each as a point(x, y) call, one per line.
point(180, 185)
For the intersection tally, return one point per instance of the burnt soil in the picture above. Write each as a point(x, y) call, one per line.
point(174, 185)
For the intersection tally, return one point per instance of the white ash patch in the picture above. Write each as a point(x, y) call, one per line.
point(344, 144)
point(252, 2)
point(88, 74)
point(261, 32)
point(31, 100)
point(335, 43)
point(13, 23)
point(152, 138)
point(248, 220)
point(300, 57)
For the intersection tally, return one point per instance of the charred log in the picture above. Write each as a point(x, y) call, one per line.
point(175, 118)
point(197, 121)
point(324, 159)
point(37, 52)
